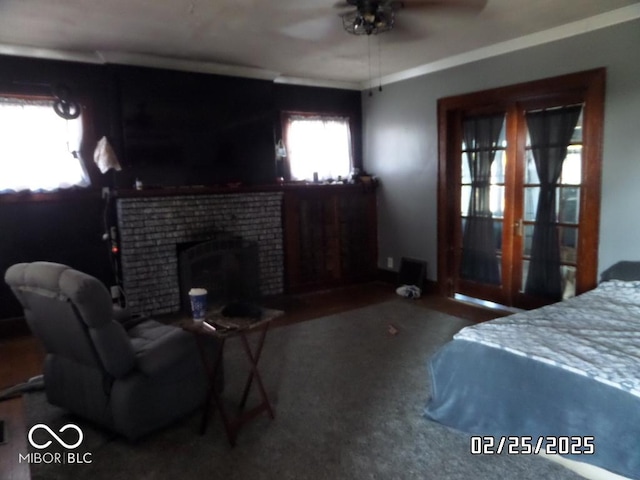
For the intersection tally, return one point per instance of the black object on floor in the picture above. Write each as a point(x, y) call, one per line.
point(3, 432)
point(412, 272)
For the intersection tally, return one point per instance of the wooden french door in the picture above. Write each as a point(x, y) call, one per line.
point(518, 226)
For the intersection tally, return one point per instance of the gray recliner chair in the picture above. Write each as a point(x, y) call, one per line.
point(131, 381)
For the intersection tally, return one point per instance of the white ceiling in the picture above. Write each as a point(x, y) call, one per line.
point(298, 41)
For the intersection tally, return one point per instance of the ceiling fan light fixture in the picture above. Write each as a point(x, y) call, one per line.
point(368, 23)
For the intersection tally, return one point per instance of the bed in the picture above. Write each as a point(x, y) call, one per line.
point(570, 369)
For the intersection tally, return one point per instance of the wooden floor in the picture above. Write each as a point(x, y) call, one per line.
point(21, 357)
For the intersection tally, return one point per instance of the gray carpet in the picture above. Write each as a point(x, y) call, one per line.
point(348, 397)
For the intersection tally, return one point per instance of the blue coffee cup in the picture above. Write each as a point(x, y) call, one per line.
point(198, 297)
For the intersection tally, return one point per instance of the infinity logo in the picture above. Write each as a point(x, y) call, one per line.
point(52, 433)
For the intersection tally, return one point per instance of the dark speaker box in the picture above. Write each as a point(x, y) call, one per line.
point(412, 272)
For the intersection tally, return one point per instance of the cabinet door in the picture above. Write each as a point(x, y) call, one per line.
point(319, 241)
point(358, 236)
point(311, 258)
point(330, 237)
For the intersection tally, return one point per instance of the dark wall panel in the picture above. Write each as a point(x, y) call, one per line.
point(66, 231)
point(194, 129)
point(168, 128)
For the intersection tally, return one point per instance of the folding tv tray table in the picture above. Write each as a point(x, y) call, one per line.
point(218, 326)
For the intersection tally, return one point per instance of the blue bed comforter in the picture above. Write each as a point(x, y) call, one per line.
point(486, 389)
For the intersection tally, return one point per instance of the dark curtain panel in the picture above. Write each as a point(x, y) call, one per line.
point(550, 132)
point(479, 262)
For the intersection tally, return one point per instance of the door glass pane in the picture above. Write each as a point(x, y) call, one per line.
point(465, 197)
point(525, 272)
point(567, 204)
point(577, 133)
point(527, 239)
point(498, 167)
point(466, 173)
point(531, 174)
point(531, 195)
point(568, 281)
point(568, 244)
point(572, 166)
point(497, 232)
point(497, 201)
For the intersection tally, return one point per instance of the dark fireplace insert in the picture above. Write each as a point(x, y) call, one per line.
point(226, 265)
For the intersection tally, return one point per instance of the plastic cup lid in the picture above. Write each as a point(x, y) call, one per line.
point(198, 291)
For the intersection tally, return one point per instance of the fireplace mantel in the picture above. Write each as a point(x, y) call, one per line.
point(231, 190)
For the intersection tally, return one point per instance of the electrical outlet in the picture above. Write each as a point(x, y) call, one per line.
point(105, 192)
point(389, 262)
point(115, 292)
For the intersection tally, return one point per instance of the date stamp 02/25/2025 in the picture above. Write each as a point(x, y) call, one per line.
point(526, 445)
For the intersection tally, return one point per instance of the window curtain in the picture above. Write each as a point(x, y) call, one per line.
point(38, 149)
point(479, 261)
point(318, 144)
point(550, 132)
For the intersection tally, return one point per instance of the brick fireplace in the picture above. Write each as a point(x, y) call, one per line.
point(151, 227)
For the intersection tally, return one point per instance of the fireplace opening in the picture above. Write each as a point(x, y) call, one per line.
point(226, 265)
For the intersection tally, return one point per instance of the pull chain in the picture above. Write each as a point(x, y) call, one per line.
point(370, 76)
point(379, 66)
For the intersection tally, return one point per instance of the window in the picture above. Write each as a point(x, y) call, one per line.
point(317, 144)
point(39, 150)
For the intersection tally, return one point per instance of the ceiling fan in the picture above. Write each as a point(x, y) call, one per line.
point(371, 17)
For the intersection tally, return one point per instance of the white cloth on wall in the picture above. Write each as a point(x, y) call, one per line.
point(104, 156)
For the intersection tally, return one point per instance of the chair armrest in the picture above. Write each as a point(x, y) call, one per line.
point(114, 348)
point(121, 314)
point(166, 351)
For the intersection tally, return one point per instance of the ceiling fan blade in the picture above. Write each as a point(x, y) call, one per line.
point(409, 27)
point(405, 32)
point(315, 29)
point(452, 5)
